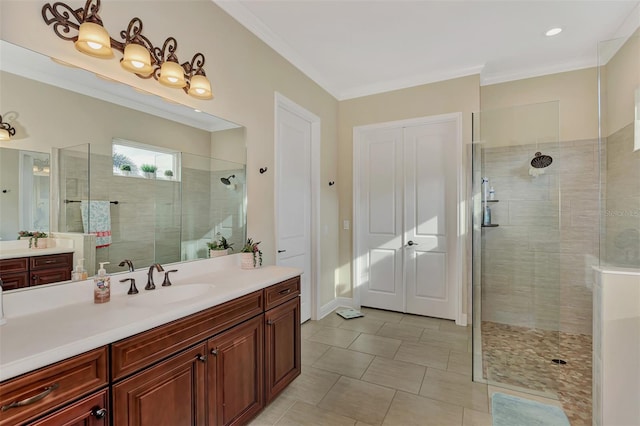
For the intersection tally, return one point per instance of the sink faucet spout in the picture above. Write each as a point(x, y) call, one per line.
point(150, 284)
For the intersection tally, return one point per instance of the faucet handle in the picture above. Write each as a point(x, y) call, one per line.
point(129, 263)
point(167, 281)
point(132, 288)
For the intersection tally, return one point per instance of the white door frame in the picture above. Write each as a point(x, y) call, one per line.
point(461, 318)
point(285, 103)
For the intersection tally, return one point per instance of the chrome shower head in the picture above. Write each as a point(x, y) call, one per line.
point(541, 161)
point(227, 180)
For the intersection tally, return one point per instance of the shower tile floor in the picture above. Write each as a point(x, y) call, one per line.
point(522, 357)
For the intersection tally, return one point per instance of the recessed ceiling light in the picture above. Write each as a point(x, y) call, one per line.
point(553, 31)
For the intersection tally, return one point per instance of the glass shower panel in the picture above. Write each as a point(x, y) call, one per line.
point(168, 209)
point(213, 204)
point(619, 80)
point(516, 246)
point(74, 186)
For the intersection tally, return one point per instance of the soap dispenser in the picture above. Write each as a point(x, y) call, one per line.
point(79, 273)
point(101, 285)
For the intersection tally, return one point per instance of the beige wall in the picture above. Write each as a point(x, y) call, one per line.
point(620, 81)
point(457, 95)
point(577, 92)
point(244, 73)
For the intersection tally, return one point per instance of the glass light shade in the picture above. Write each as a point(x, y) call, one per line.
point(4, 135)
point(94, 40)
point(172, 75)
point(200, 87)
point(136, 59)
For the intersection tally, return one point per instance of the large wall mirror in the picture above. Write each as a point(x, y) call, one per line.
point(62, 167)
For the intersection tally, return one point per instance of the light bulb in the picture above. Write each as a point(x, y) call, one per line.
point(94, 40)
point(200, 87)
point(137, 59)
point(172, 75)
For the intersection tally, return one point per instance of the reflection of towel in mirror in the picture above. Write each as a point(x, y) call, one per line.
point(96, 219)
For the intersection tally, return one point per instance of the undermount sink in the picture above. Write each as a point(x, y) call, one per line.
point(169, 295)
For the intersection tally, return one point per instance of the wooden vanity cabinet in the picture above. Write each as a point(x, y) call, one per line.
point(90, 411)
point(172, 392)
point(14, 273)
point(235, 374)
point(32, 395)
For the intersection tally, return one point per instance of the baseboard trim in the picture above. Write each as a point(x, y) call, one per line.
point(334, 304)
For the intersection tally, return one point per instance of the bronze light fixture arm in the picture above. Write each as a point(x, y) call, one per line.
point(6, 126)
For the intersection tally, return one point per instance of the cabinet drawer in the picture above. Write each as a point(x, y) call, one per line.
point(137, 352)
point(31, 395)
point(20, 264)
point(13, 281)
point(90, 411)
point(46, 276)
point(52, 261)
point(281, 292)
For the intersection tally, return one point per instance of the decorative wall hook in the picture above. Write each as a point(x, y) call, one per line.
point(263, 170)
point(331, 183)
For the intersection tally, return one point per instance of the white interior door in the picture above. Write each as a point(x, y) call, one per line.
point(380, 220)
point(406, 229)
point(293, 199)
point(430, 173)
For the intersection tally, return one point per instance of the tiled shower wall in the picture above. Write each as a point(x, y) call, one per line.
point(536, 266)
point(622, 201)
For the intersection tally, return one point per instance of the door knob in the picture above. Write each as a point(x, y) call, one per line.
point(99, 413)
point(411, 243)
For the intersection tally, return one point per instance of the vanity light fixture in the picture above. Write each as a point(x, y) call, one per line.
point(6, 131)
point(139, 54)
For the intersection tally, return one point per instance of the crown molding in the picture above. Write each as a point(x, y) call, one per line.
point(488, 79)
point(247, 19)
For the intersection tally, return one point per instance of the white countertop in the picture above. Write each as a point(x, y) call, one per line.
point(20, 248)
point(42, 337)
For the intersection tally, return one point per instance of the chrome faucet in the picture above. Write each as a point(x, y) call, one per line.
point(128, 263)
point(150, 284)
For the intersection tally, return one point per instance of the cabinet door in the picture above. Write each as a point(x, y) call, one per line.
point(90, 411)
point(13, 281)
point(47, 276)
point(282, 346)
point(235, 379)
point(171, 393)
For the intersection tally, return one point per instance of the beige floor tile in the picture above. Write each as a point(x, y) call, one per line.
point(274, 411)
point(476, 418)
point(423, 354)
point(303, 414)
point(408, 410)
point(409, 333)
point(364, 324)
point(460, 362)
point(312, 385)
point(332, 320)
point(420, 321)
point(450, 326)
point(376, 345)
point(311, 351)
point(362, 424)
point(345, 362)
point(387, 316)
point(399, 375)
point(334, 336)
point(455, 388)
point(365, 402)
point(309, 328)
point(454, 341)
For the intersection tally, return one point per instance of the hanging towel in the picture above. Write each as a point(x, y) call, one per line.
point(96, 219)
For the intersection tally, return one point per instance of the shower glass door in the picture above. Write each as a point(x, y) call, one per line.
point(517, 247)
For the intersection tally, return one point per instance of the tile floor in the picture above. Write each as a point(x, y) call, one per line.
point(384, 369)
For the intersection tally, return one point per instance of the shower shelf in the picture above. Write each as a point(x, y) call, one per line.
point(493, 225)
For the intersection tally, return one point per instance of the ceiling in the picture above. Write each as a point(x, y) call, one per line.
point(354, 48)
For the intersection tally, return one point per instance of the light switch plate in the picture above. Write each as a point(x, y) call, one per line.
point(345, 224)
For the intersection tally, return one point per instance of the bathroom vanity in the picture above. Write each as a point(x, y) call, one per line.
point(214, 349)
point(33, 268)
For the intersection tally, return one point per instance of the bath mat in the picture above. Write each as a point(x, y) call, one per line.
point(510, 410)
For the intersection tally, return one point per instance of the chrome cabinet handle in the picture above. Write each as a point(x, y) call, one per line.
point(214, 352)
point(201, 358)
point(31, 400)
point(99, 413)
point(411, 243)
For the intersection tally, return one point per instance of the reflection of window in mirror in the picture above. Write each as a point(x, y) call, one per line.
point(636, 133)
point(139, 160)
